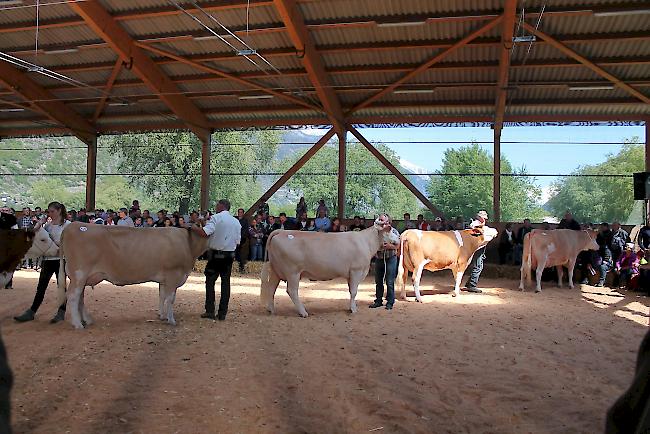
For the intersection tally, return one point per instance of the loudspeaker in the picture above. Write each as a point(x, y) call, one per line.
point(642, 185)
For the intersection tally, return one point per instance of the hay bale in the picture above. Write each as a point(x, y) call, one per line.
point(496, 271)
point(253, 269)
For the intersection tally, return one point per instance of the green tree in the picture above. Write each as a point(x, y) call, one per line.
point(366, 194)
point(597, 198)
point(463, 195)
point(167, 166)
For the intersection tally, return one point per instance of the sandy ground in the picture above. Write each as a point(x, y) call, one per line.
point(503, 361)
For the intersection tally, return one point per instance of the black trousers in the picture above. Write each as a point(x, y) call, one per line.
point(218, 268)
point(48, 268)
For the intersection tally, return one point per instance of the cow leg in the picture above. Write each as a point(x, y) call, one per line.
point(292, 289)
point(85, 316)
point(74, 296)
point(570, 267)
point(560, 275)
point(269, 286)
point(353, 284)
point(416, 279)
point(459, 278)
point(538, 273)
point(169, 305)
point(161, 296)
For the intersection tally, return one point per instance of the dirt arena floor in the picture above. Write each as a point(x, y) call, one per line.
point(499, 362)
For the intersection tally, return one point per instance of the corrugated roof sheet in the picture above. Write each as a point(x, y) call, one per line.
point(362, 58)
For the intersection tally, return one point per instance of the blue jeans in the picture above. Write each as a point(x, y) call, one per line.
point(475, 267)
point(390, 271)
point(604, 268)
point(256, 252)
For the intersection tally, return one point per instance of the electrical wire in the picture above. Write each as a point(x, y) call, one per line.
point(217, 145)
point(509, 175)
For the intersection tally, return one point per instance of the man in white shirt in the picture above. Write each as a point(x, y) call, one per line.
point(224, 235)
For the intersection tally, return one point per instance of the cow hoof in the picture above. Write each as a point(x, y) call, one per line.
point(303, 315)
point(419, 300)
point(538, 291)
point(78, 326)
point(354, 309)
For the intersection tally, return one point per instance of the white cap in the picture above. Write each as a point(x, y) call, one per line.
point(629, 246)
point(482, 214)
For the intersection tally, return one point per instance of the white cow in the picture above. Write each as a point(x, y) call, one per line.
point(318, 256)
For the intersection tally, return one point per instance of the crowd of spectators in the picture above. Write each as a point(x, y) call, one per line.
point(616, 249)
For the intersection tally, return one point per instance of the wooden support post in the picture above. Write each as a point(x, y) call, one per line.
point(292, 171)
point(91, 175)
point(496, 190)
point(342, 174)
point(374, 151)
point(647, 145)
point(205, 173)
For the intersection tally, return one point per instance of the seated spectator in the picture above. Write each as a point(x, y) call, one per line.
point(303, 222)
point(138, 222)
point(568, 222)
point(194, 218)
point(282, 222)
point(406, 223)
point(322, 207)
point(421, 223)
point(174, 220)
point(135, 206)
point(336, 225)
point(606, 263)
point(167, 223)
point(180, 223)
point(160, 222)
point(82, 216)
point(506, 245)
point(311, 226)
point(437, 225)
point(124, 220)
point(301, 208)
point(149, 223)
point(256, 236)
point(322, 222)
point(111, 219)
point(145, 215)
point(627, 266)
point(263, 208)
point(587, 262)
point(356, 225)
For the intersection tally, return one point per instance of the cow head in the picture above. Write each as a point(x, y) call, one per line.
point(590, 240)
point(42, 245)
point(486, 232)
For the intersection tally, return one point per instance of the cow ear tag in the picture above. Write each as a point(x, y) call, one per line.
point(83, 229)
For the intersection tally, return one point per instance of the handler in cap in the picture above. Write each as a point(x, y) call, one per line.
point(476, 266)
point(386, 265)
point(224, 234)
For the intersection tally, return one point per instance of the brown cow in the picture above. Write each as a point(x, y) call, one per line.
point(17, 244)
point(555, 248)
point(435, 251)
point(122, 255)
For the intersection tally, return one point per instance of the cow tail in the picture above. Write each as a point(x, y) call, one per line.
point(61, 295)
point(265, 277)
point(529, 259)
point(401, 272)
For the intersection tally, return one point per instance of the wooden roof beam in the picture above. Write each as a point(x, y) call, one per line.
point(105, 26)
point(586, 62)
point(312, 60)
point(43, 101)
point(107, 89)
point(507, 32)
point(229, 76)
point(426, 65)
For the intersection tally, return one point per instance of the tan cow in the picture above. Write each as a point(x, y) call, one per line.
point(543, 249)
point(434, 251)
point(124, 256)
point(318, 256)
point(19, 244)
